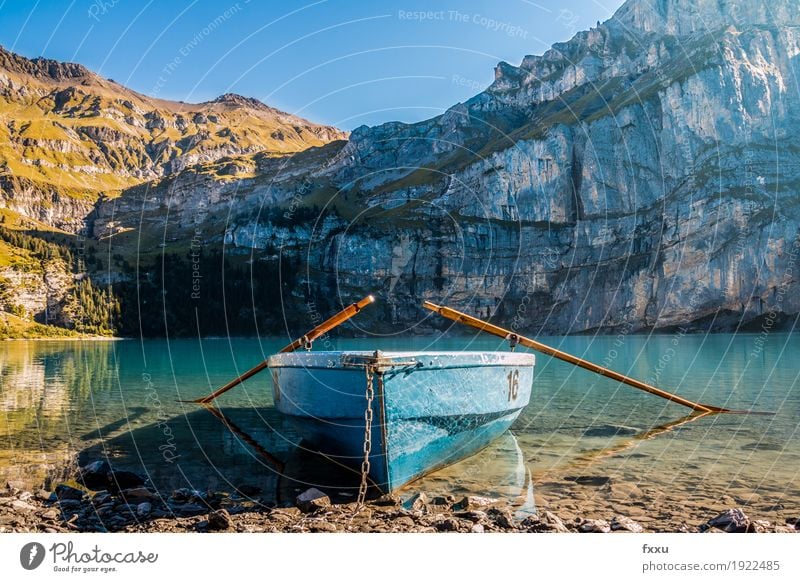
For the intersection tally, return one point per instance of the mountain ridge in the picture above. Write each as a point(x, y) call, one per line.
point(62, 123)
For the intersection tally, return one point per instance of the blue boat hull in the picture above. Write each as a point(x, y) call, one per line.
point(430, 409)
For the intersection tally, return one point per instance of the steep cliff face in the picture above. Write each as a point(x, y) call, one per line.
point(39, 294)
point(642, 175)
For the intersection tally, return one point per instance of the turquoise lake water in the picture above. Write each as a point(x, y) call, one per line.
point(67, 403)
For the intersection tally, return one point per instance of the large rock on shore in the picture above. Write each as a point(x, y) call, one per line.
point(730, 521)
point(312, 500)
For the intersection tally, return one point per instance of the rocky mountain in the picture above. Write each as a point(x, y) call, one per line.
point(642, 175)
point(70, 139)
point(68, 136)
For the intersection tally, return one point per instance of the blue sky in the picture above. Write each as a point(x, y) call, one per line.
point(340, 62)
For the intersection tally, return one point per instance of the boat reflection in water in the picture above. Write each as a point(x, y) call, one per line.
point(256, 453)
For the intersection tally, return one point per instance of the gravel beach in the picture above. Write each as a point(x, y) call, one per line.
point(140, 509)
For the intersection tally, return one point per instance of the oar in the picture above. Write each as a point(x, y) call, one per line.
point(318, 331)
point(533, 344)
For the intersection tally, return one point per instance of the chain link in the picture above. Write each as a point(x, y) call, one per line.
point(365, 466)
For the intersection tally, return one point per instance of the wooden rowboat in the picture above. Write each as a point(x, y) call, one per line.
point(427, 410)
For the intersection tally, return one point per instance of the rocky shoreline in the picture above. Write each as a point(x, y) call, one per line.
point(137, 508)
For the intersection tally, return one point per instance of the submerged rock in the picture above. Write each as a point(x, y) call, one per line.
point(119, 480)
point(94, 475)
point(609, 430)
point(189, 509)
point(65, 492)
point(138, 494)
point(185, 495)
point(249, 490)
point(590, 480)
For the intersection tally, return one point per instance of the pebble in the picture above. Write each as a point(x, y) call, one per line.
point(94, 475)
point(404, 522)
point(544, 522)
point(14, 487)
point(312, 500)
point(138, 494)
point(144, 509)
point(125, 508)
point(321, 526)
point(622, 523)
point(64, 492)
point(761, 525)
point(219, 520)
point(105, 508)
point(730, 521)
point(472, 515)
point(19, 505)
point(501, 518)
point(50, 514)
point(447, 524)
point(387, 500)
point(474, 502)
point(477, 528)
point(119, 480)
point(43, 495)
point(594, 526)
point(554, 522)
point(184, 495)
point(66, 504)
point(416, 501)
